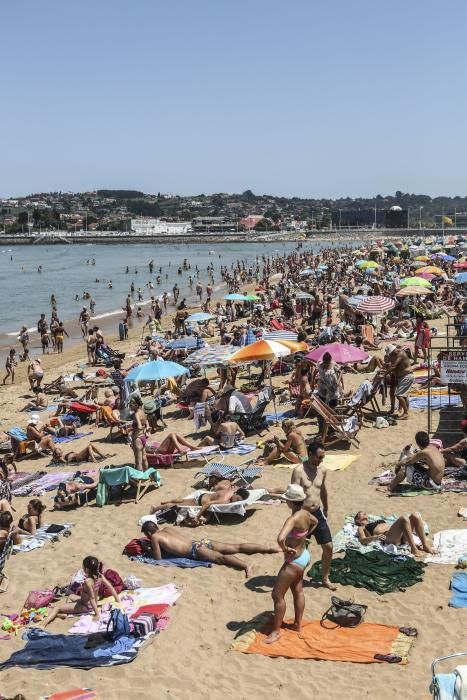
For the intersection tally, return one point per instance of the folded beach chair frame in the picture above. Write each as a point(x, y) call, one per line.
point(253, 422)
point(245, 473)
point(435, 687)
point(4, 556)
point(335, 422)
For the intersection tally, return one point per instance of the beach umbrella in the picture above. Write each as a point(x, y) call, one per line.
point(431, 269)
point(155, 371)
point(360, 263)
point(426, 275)
point(304, 295)
point(370, 271)
point(422, 258)
point(460, 265)
point(443, 256)
point(414, 282)
point(260, 351)
point(376, 305)
point(356, 300)
point(356, 252)
point(413, 292)
point(210, 355)
point(370, 264)
point(235, 297)
point(307, 271)
point(342, 353)
point(461, 278)
point(199, 317)
point(252, 297)
point(280, 335)
point(189, 343)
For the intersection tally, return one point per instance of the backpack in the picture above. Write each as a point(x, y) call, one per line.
point(134, 548)
point(114, 578)
point(118, 624)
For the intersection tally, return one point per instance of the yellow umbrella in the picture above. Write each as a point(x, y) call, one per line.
point(369, 264)
point(265, 350)
point(422, 258)
point(432, 269)
point(413, 292)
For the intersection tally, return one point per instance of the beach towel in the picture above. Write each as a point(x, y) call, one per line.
point(458, 588)
point(40, 538)
point(21, 479)
point(358, 644)
point(75, 694)
point(332, 462)
point(450, 545)
point(281, 415)
point(443, 685)
point(347, 537)
point(438, 401)
point(375, 571)
point(46, 482)
point(45, 651)
point(70, 438)
point(242, 449)
point(182, 562)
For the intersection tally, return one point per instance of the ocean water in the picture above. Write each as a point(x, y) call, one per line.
point(67, 271)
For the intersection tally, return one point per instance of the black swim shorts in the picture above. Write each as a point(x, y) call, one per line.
point(322, 534)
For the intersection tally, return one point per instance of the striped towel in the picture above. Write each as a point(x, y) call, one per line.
point(243, 449)
point(280, 335)
point(182, 562)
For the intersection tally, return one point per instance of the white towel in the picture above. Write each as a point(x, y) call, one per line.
point(460, 688)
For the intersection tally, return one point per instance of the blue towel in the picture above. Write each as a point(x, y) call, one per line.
point(182, 562)
point(444, 684)
point(459, 590)
point(17, 434)
point(69, 438)
point(242, 449)
point(271, 417)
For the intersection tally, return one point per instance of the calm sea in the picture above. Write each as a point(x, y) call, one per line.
point(67, 271)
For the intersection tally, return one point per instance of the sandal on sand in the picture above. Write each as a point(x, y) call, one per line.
point(389, 658)
point(409, 631)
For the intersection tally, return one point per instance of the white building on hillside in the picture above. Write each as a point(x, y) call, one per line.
point(148, 227)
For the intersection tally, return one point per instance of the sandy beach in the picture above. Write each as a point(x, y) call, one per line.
point(191, 659)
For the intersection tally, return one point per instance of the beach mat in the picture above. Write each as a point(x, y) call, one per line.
point(75, 694)
point(70, 438)
point(358, 644)
point(458, 588)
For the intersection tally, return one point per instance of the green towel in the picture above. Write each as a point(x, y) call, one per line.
point(119, 476)
point(376, 571)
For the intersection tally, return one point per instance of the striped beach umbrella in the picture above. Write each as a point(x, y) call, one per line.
point(211, 355)
point(280, 335)
point(376, 305)
point(265, 350)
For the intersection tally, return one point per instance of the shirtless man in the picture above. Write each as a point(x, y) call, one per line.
point(399, 364)
point(311, 475)
point(424, 469)
point(180, 544)
point(83, 320)
point(224, 492)
point(457, 454)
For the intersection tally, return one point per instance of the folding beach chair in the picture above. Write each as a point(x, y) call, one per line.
point(345, 428)
point(111, 477)
point(20, 445)
point(239, 508)
point(254, 422)
point(362, 402)
point(244, 472)
point(443, 685)
point(4, 556)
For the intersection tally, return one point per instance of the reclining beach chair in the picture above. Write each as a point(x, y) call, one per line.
point(244, 472)
point(20, 445)
point(345, 428)
point(111, 477)
point(364, 399)
point(255, 422)
point(448, 686)
point(218, 509)
point(4, 556)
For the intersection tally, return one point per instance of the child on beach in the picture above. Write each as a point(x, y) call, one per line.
point(86, 600)
point(10, 365)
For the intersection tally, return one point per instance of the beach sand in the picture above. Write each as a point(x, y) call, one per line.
point(191, 659)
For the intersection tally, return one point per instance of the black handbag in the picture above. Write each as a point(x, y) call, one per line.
point(343, 613)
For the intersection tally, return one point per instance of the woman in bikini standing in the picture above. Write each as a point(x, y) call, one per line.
point(139, 431)
point(292, 540)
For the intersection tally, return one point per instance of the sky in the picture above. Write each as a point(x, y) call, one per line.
point(312, 98)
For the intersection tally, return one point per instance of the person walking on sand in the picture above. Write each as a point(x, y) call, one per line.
point(399, 365)
point(10, 364)
point(311, 475)
point(292, 540)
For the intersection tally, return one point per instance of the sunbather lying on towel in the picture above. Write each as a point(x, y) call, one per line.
point(223, 492)
point(424, 469)
point(171, 444)
point(178, 544)
point(399, 532)
point(73, 493)
point(91, 453)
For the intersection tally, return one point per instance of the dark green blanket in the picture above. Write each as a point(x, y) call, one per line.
point(375, 570)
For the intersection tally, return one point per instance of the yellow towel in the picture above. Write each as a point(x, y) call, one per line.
point(333, 463)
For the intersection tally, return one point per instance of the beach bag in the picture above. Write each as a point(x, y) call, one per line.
point(144, 624)
point(343, 613)
point(114, 578)
point(135, 548)
point(118, 624)
point(38, 599)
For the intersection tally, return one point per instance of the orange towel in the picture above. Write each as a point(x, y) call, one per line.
point(358, 644)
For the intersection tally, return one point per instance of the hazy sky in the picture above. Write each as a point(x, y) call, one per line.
point(305, 97)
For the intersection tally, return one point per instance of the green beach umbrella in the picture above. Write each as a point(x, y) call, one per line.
point(415, 282)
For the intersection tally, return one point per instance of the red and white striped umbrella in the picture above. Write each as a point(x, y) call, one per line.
point(376, 305)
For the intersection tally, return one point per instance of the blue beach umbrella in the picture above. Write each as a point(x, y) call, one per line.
point(461, 278)
point(155, 371)
point(306, 271)
point(189, 343)
point(199, 317)
point(235, 297)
